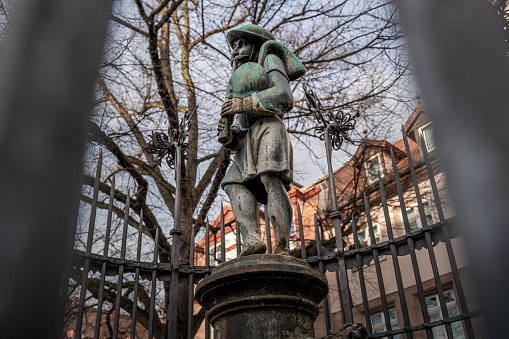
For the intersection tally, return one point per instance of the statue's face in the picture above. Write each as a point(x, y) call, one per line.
point(242, 51)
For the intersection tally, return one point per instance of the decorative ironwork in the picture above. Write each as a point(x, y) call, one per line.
point(163, 144)
point(337, 124)
point(354, 260)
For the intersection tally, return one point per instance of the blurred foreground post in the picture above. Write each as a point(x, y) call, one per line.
point(463, 72)
point(48, 65)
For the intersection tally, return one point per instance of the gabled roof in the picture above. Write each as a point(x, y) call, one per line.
point(409, 124)
point(379, 145)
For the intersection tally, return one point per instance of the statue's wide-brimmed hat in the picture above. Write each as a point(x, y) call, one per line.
point(249, 31)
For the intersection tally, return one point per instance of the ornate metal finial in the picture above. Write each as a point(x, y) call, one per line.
point(338, 124)
point(163, 144)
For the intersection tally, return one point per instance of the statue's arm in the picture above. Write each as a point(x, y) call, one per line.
point(274, 100)
point(278, 97)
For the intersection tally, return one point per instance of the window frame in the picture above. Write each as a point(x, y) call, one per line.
point(417, 218)
point(437, 310)
point(422, 130)
point(367, 172)
point(381, 325)
point(365, 229)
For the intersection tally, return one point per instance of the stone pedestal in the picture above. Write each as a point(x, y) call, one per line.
point(262, 296)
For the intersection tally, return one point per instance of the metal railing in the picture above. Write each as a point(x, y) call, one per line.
point(344, 262)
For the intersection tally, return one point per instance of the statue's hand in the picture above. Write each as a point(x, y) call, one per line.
point(232, 106)
point(249, 105)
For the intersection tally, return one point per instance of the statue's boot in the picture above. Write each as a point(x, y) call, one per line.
point(253, 244)
point(281, 247)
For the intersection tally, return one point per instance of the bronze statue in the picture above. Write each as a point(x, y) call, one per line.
point(259, 94)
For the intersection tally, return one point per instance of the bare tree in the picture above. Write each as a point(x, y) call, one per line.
point(164, 57)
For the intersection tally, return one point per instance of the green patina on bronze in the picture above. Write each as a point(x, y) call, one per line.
point(258, 95)
point(248, 78)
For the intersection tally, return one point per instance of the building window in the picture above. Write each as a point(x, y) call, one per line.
point(373, 168)
point(215, 254)
point(426, 132)
point(378, 323)
point(435, 314)
point(414, 217)
point(364, 237)
point(215, 250)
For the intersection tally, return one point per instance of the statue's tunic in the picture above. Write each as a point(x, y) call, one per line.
point(266, 146)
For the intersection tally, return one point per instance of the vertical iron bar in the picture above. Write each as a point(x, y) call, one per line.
point(338, 283)
point(207, 245)
point(207, 266)
point(223, 236)
point(301, 234)
point(267, 230)
point(376, 258)
point(362, 282)
point(90, 237)
point(346, 304)
point(190, 307)
point(136, 278)
point(237, 239)
point(447, 238)
point(427, 236)
point(105, 255)
point(322, 271)
point(395, 259)
point(411, 246)
point(173, 305)
point(121, 267)
point(153, 288)
point(176, 232)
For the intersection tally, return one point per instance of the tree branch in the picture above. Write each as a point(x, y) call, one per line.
point(128, 25)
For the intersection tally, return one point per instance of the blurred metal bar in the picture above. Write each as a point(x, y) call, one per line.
point(321, 267)
point(427, 236)
point(460, 59)
point(90, 238)
point(100, 299)
point(120, 280)
point(48, 65)
point(136, 278)
point(411, 246)
point(362, 282)
point(395, 260)
point(153, 288)
point(381, 286)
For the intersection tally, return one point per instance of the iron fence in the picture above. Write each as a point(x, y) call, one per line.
point(342, 262)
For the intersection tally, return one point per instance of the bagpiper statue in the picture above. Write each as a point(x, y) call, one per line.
point(258, 96)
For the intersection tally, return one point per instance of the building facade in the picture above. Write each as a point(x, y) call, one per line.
point(411, 215)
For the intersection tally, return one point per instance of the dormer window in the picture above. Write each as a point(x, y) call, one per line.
point(426, 133)
point(373, 168)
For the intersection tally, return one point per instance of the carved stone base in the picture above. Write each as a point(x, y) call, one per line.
point(262, 296)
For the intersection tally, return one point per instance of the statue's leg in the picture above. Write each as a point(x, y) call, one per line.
point(280, 210)
point(245, 210)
